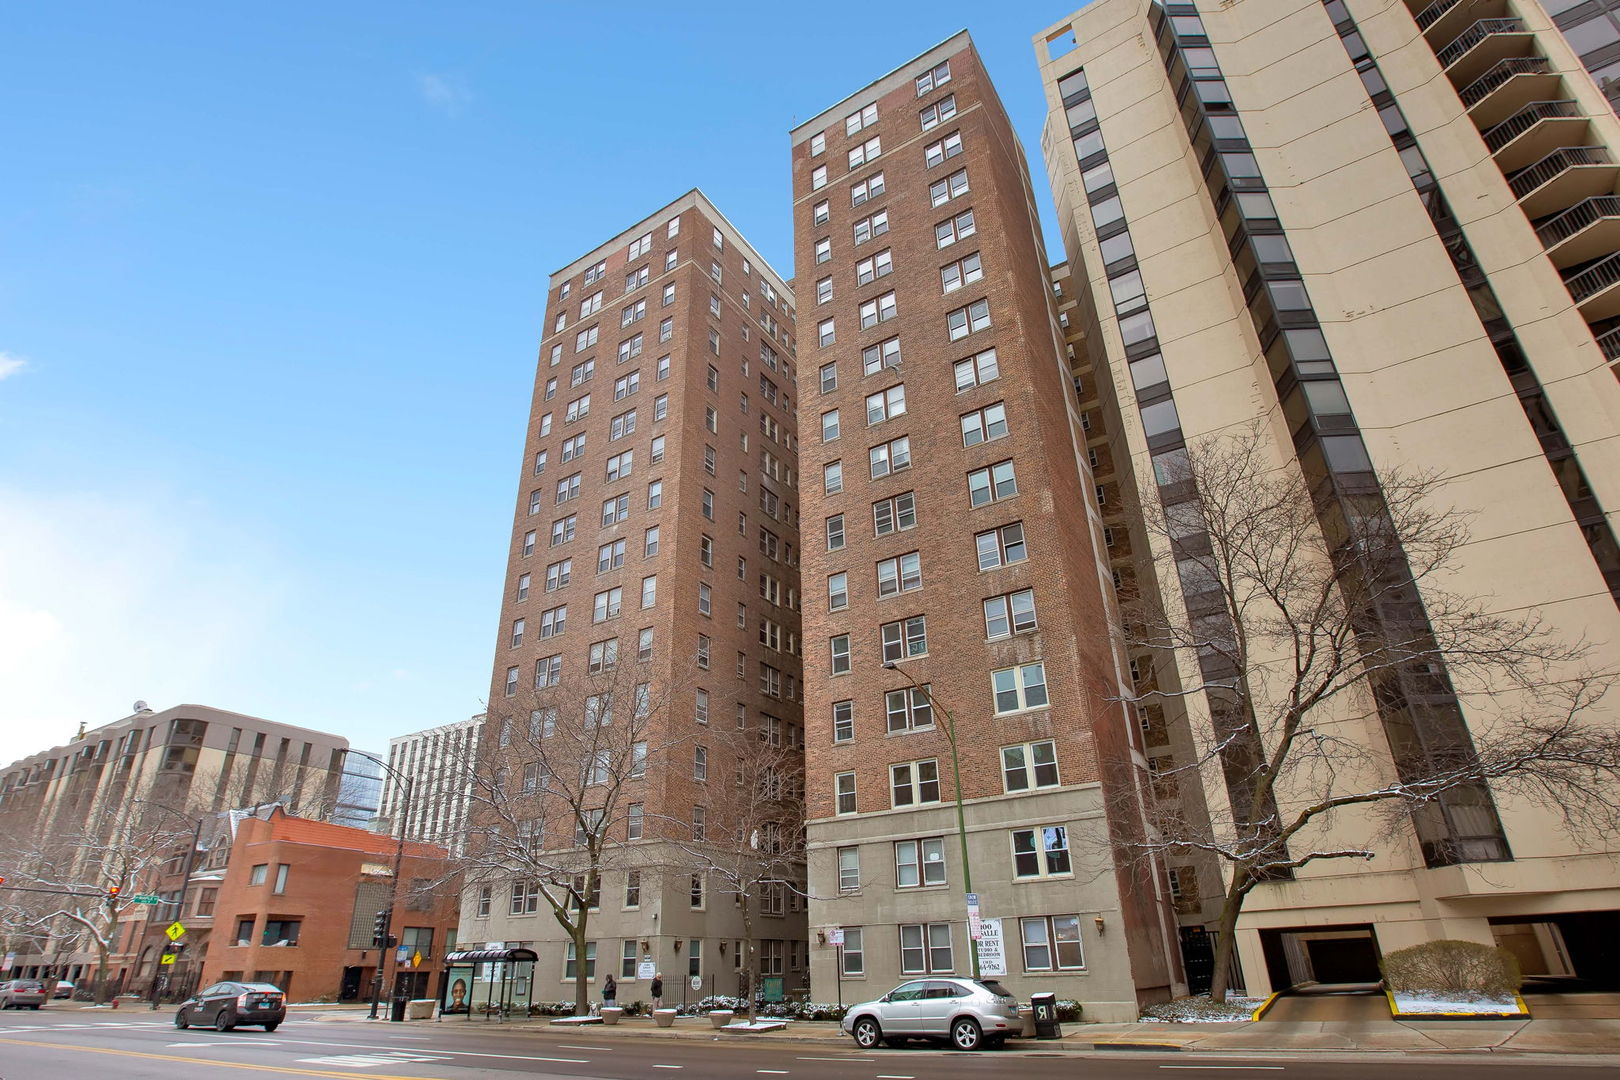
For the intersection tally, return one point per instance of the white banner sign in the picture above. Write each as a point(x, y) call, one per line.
point(835, 935)
point(646, 969)
point(992, 957)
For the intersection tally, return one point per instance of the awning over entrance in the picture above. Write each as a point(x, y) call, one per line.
point(490, 956)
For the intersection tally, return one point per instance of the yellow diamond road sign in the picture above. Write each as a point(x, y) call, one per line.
point(416, 959)
point(166, 958)
point(175, 930)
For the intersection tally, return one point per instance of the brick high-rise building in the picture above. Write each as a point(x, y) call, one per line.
point(656, 531)
point(955, 574)
point(1387, 234)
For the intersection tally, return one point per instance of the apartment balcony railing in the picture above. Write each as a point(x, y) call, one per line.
point(1480, 88)
point(1427, 17)
point(1480, 31)
point(1568, 157)
point(1578, 217)
point(1526, 118)
point(1594, 279)
point(1610, 344)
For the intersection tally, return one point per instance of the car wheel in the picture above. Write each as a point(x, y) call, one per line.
point(996, 1042)
point(226, 1019)
point(180, 1020)
point(894, 1042)
point(272, 1026)
point(36, 1008)
point(867, 1033)
point(965, 1034)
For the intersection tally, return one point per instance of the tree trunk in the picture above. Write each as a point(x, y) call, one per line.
point(582, 998)
point(101, 974)
point(1225, 941)
point(753, 961)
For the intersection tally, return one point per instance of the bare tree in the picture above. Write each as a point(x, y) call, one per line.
point(752, 846)
point(1307, 614)
point(552, 794)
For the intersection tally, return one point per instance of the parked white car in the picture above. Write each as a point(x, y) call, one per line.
point(967, 1013)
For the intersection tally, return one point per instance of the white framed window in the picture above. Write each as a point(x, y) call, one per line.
point(604, 656)
point(968, 320)
point(838, 591)
point(586, 338)
point(890, 457)
point(674, 228)
point(835, 532)
point(655, 494)
point(880, 355)
point(562, 530)
point(866, 190)
point(993, 484)
point(870, 269)
point(908, 708)
point(547, 671)
point(944, 190)
point(977, 370)
point(1019, 688)
point(886, 404)
point(824, 290)
point(933, 80)
point(620, 465)
point(849, 869)
point(553, 621)
point(558, 574)
point(610, 556)
point(952, 229)
point(869, 228)
point(820, 213)
point(607, 604)
point(1001, 546)
point(865, 152)
point(625, 385)
point(843, 718)
point(568, 488)
point(1028, 766)
point(1011, 614)
point(640, 246)
point(832, 477)
point(635, 279)
point(705, 602)
point(838, 648)
point(878, 309)
point(925, 948)
point(903, 573)
point(818, 143)
point(939, 112)
point(943, 150)
point(826, 333)
point(904, 638)
point(919, 863)
point(894, 514)
point(966, 271)
point(829, 425)
point(1041, 852)
point(590, 305)
point(1051, 943)
point(649, 591)
point(615, 510)
point(818, 178)
point(572, 447)
point(660, 407)
point(844, 792)
point(984, 425)
point(632, 313)
point(862, 118)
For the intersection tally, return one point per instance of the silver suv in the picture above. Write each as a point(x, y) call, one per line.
point(968, 1013)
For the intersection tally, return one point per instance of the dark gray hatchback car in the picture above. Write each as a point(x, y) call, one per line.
point(230, 1004)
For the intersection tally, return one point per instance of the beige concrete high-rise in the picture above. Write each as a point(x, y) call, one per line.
point(1390, 234)
point(656, 532)
point(958, 606)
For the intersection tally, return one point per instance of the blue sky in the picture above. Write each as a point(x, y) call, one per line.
point(270, 297)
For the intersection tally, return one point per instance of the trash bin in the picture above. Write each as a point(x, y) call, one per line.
point(1046, 1021)
point(396, 1011)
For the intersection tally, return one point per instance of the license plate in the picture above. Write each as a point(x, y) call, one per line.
point(264, 1004)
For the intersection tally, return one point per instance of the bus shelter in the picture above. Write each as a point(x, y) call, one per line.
point(494, 983)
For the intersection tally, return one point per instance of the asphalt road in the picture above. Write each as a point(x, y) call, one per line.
point(146, 1046)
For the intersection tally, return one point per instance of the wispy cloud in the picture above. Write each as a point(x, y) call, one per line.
point(11, 364)
point(443, 92)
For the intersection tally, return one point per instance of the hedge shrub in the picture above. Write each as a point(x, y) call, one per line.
point(1452, 967)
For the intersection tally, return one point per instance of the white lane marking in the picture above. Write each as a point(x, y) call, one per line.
point(772, 1072)
point(448, 1053)
point(566, 1046)
point(669, 1066)
point(890, 1076)
point(1225, 1067)
point(804, 1058)
point(363, 1061)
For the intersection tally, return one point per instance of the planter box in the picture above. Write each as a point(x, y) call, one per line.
point(420, 1008)
point(611, 1014)
point(719, 1018)
point(664, 1017)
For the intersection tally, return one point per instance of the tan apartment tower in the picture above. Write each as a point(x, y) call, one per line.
point(652, 579)
point(1387, 235)
point(439, 789)
point(958, 602)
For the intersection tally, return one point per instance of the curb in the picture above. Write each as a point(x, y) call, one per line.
point(1151, 1047)
point(1265, 1005)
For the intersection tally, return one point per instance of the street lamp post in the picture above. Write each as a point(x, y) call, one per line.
point(407, 786)
point(956, 777)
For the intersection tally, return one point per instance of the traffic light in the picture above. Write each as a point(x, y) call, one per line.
point(379, 930)
point(112, 894)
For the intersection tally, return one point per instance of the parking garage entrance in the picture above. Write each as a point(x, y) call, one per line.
point(1331, 955)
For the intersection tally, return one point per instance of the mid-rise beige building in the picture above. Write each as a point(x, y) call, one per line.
point(1388, 234)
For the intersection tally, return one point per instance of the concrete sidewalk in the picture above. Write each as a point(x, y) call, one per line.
point(1550, 1036)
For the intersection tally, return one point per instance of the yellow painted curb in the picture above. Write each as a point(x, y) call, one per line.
point(1264, 1005)
point(1523, 1013)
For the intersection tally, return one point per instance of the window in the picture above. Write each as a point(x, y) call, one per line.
point(854, 952)
point(632, 313)
point(821, 212)
point(630, 348)
point(838, 591)
point(844, 792)
point(619, 465)
point(568, 488)
point(826, 333)
point(625, 385)
point(547, 672)
point(849, 869)
point(964, 272)
point(551, 389)
point(906, 637)
point(1041, 852)
point(983, 425)
point(511, 681)
point(886, 404)
point(824, 290)
point(540, 459)
point(635, 279)
point(671, 258)
point(835, 532)
point(604, 656)
point(562, 530)
point(615, 510)
point(1022, 687)
point(259, 874)
point(900, 574)
point(832, 477)
point(823, 250)
point(843, 713)
point(878, 309)
point(1031, 765)
point(943, 150)
point(943, 191)
point(606, 604)
point(968, 320)
point(640, 246)
point(992, 484)
point(578, 409)
point(700, 823)
point(977, 370)
point(871, 227)
point(517, 632)
point(925, 948)
point(571, 964)
point(610, 556)
point(909, 708)
point(553, 621)
point(705, 599)
point(890, 457)
point(655, 494)
point(867, 189)
point(649, 591)
point(700, 763)
point(534, 501)
point(884, 354)
point(572, 448)
point(919, 862)
point(558, 574)
point(870, 269)
point(523, 586)
point(818, 143)
point(933, 80)
point(866, 151)
point(855, 121)
point(1001, 546)
point(644, 644)
point(543, 723)
point(1051, 942)
point(1010, 614)
point(818, 178)
point(838, 646)
point(635, 828)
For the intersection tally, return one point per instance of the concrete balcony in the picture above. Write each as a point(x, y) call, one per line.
point(1563, 178)
point(1443, 20)
point(1588, 230)
point(1610, 344)
point(1596, 290)
point(1534, 132)
point(1482, 46)
point(1507, 88)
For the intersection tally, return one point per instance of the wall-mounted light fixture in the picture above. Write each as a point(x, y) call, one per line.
point(1101, 925)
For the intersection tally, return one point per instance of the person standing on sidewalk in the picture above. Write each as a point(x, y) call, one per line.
point(658, 990)
point(610, 993)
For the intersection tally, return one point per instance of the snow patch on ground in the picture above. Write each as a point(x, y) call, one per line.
point(1435, 1001)
point(1200, 1010)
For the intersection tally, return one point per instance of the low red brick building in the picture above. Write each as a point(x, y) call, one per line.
point(298, 904)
